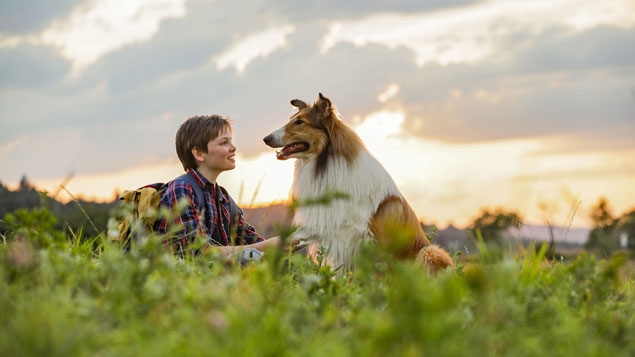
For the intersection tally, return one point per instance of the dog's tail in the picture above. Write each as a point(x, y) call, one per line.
point(434, 258)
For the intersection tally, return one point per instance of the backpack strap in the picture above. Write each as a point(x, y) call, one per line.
point(200, 199)
point(198, 190)
point(233, 207)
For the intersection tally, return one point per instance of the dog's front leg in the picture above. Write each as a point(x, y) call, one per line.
point(301, 240)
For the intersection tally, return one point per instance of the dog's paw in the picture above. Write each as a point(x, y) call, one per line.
point(434, 258)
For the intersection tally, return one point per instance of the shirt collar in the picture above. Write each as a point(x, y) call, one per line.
point(202, 181)
point(206, 184)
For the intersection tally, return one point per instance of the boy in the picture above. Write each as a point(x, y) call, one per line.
point(204, 146)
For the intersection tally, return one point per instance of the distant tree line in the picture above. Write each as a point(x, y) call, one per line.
point(90, 217)
point(610, 233)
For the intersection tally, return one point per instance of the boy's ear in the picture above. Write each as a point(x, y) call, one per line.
point(197, 154)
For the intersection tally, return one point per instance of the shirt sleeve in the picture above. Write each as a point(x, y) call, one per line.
point(245, 231)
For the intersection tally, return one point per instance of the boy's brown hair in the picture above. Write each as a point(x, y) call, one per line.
point(196, 132)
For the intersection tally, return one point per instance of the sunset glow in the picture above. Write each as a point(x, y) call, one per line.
point(525, 105)
point(439, 179)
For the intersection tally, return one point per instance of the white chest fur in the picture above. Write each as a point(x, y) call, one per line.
point(341, 225)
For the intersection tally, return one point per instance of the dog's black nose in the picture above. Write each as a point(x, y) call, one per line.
point(268, 139)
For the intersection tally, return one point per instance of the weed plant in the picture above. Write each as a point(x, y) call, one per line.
point(85, 296)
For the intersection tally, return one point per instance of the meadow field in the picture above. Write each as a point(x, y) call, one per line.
point(82, 295)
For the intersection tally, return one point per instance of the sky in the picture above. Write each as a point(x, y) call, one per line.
point(525, 105)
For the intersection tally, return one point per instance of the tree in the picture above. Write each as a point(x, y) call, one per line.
point(603, 237)
point(626, 225)
point(492, 223)
point(601, 214)
point(77, 215)
point(25, 185)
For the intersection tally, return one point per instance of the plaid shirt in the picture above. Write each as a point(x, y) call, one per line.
point(194, 223)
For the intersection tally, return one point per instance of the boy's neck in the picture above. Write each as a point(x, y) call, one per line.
point(210, 175)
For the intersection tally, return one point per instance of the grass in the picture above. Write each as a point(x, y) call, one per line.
point(83, 295)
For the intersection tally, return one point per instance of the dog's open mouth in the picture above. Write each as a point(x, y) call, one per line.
point(291, 149)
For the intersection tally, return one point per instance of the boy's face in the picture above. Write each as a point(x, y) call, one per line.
point(221, 154)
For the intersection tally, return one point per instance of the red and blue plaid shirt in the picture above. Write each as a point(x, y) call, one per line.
point(192, 223)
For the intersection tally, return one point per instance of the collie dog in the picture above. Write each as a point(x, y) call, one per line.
point(330, 157)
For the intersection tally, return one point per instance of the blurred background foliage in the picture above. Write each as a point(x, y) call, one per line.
point(610, 233)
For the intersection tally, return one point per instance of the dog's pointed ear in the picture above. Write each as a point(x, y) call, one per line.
point(323, 105)
point(298, 104)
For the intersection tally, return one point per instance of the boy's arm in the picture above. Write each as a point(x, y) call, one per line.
point(261, 246)
point(229, 249)
point(244, 231)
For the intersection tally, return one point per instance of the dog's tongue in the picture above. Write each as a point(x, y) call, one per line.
point(288, 150)
point(284, 153)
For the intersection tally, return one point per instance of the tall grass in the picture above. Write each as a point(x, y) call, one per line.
point(86, 296)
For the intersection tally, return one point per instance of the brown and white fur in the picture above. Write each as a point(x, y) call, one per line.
point(332, 158)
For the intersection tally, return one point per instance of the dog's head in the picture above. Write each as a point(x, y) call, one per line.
point(307, 134)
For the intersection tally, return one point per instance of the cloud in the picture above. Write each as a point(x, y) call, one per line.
point(470, 34)
point(99, 27)
point(20, 17)
point(28, 154)
point(328, 10)
point(561, 51)
point(43, 110)
point(526, 106)
point(92, 148)
point(458, 76)
point(255, 45)
point(28, 66)
point(185, 47)
point(6, 149)
point(389, 93)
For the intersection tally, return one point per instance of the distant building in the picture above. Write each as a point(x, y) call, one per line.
point(540, 233)
point(454, 239)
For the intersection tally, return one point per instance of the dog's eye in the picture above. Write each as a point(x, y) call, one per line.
point(299, 122)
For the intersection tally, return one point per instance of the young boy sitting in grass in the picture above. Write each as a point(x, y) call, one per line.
point(204, 147)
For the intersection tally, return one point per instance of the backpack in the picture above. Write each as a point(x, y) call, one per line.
point(138, 212)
